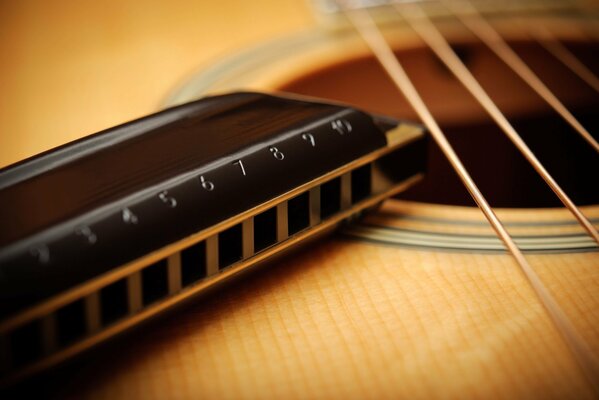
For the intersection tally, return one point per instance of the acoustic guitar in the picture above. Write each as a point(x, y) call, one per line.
point(417, 297)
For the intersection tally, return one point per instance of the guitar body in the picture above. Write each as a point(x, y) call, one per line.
point(416, 300)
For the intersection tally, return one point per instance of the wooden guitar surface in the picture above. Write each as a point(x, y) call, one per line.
point(351, 318)
point(429, 309)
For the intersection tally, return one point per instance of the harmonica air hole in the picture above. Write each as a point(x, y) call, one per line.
point(71, 322)
point(330, 198)
point(230, 247)
point(361, 183)
point(298, 213)
point(154, 279)
point(193, 263)
point(265, 229)
point(26, 343)
point(113, 302)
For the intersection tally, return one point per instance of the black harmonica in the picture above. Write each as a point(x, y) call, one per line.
point(107, 231)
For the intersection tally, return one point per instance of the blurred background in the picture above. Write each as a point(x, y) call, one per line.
point(71, 68)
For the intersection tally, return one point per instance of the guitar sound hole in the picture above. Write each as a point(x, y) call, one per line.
point(502, 173)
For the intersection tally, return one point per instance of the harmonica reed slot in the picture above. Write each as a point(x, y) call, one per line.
point(298, 213)
point(361, 183)
point(26, 343)
point(174, 273)
point(193, 263)
point(330, 198)
point(71, 322)
point(282, 223)
point(230, 246)
point(92, 312)
point(265, 229)
point(154, 279)
point(114, 301)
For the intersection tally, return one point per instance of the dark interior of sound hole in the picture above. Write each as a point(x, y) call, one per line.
point(499, 169)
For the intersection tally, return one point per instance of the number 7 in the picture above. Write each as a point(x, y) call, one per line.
point(240, 163)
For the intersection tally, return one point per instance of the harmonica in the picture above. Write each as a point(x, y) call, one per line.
point(105, 232)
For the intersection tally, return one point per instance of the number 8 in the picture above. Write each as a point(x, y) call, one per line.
point(276, 153)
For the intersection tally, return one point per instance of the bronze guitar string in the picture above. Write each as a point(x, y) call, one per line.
point(371, 34)
point(425, 29)
point(552, 44)
point(473, 20)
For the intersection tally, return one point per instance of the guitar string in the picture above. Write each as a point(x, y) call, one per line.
point(552, 44)
point(425, 29)
point(365, 26)
point(473, 20)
